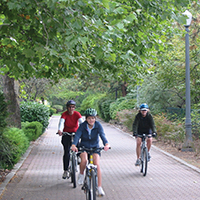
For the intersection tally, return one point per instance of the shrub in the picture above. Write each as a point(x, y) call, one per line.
point(126, 117)
point(52, 111)
point(18, 144)
point(195, 120)
point(6, 150)
point(91, 102)
point(32, 130)
point(32, 111)
point(121, 104)
point(106, 110)
point(169, 131)
point(58, 108)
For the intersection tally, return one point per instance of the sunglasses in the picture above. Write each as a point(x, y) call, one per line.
point(71, 106)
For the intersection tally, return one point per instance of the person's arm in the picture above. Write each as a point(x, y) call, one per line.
point(135, 126)
point(78, 135)
point(80, 121)
point(103, 137)
point(61, 126)
point(153, 126)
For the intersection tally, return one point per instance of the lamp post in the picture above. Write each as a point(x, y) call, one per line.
point(188, 125)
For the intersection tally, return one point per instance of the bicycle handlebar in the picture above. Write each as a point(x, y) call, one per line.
point(91, 150)
point(66, 133)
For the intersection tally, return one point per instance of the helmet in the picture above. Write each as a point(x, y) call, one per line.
point(144, 106)
point(90, 112)
point(71, 102)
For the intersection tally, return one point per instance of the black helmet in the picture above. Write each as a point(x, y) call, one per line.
point(71, 102)
point(90, 112)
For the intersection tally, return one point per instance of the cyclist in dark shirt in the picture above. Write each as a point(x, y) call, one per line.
point(143, 123)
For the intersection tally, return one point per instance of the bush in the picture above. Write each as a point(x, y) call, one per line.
point(195, 120)
point(58, 108)
point(169, 131)
point(91, 102)
point(126, 117)
point(106, 110)
point(32, 130)
point(52, 111)
point(121, 104)
point(32, 111)
point(18, 144)
point(6, 150)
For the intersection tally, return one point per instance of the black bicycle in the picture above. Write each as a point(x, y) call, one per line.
point(90, 181)
point(73, 162)
point(144, 156)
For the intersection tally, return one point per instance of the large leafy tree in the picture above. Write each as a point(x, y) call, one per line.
point(61, 38)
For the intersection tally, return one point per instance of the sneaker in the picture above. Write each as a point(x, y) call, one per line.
point(137, 162)
point(100, 191)
point(149, 157)
point(65, 175)
point(80, 179)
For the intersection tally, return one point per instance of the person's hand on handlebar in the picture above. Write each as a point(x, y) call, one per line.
point(60, 132)
point(106, 147)
point(74, 148)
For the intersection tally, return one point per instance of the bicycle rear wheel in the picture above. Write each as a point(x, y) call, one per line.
point(73, 171)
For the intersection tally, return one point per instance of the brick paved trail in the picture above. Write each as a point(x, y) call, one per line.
point(40, 176)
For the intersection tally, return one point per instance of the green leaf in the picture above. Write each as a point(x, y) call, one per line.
point(29, 53)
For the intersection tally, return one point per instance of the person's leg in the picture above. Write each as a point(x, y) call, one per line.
point(66, 142)
point(96, 158)
point(149, 143)
point(138, 146)
point(84, 158)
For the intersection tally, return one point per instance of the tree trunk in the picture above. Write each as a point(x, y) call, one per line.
point(123, 88)
point(11, 91)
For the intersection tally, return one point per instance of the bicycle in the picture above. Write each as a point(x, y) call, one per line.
point(90, 181)
point(144, 154)
point(73, 162)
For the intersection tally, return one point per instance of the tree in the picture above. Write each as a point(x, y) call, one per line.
point(55, 39)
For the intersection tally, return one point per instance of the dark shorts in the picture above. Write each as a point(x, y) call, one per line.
point(97, 152)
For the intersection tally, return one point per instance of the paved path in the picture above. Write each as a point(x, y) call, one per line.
point(40, 176)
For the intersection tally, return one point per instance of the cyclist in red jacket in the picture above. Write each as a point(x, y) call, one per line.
point(69, 122)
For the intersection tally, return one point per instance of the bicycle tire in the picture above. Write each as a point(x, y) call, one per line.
point(87, 188)
point(93, 185)
point(145, 161)
point(142, 160)
point(73, 172)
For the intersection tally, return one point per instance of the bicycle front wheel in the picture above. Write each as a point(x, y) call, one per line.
point(93, 185)
point(73, 171)
point(145, 161)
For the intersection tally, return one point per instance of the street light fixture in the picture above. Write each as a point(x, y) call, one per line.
point(188, 124)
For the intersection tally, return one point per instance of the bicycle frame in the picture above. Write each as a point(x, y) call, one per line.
point(90, 180)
